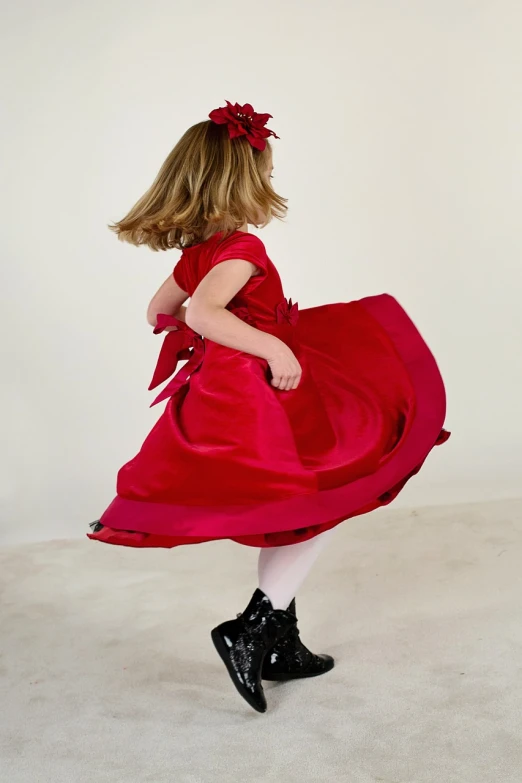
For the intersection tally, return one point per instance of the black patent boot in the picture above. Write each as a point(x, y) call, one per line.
point(289, 659)
point(244, 642)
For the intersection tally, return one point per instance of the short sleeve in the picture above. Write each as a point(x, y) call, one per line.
point(247, 247)
point(179, 274)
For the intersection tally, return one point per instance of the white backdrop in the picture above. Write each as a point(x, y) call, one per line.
point(401, 154)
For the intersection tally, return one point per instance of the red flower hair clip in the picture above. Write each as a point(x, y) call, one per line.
point(244, 121)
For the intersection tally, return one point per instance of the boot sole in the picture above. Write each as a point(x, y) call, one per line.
point(222, 651)
point(305, 676)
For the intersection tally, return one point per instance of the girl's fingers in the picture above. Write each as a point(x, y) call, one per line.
point(295, 381)
point(286, 382)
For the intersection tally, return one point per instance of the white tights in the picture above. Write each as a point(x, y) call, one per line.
point(283, 569)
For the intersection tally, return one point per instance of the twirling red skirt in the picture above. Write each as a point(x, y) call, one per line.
point(231, 457)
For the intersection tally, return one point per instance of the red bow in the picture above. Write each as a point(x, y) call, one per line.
point(177, 346)
point(244, 121)
point(287, 312)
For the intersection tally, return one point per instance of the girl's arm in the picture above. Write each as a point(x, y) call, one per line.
point(169, 300)
point(206, 314)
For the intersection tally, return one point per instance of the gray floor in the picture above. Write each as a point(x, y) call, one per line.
point(108, 674)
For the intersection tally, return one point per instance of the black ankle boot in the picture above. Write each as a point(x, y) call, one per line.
point(289, 659)
point(244, 642)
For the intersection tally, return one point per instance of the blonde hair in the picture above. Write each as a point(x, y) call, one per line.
point(208, 183)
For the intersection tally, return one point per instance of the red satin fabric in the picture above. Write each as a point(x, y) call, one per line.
point(233, 457)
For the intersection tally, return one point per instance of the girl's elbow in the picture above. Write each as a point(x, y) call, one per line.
point(199, 316)
point(194, 317)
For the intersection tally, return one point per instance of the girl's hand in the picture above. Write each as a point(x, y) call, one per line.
point(286, 370)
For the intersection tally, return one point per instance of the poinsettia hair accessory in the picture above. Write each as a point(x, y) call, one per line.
point(244, 121)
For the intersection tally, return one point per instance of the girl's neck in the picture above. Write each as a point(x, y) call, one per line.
point(243, 228)
point(209, 235)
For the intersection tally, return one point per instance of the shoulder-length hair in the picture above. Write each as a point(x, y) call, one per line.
point(208, 183)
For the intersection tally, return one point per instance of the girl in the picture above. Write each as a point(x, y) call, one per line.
point(282, 423)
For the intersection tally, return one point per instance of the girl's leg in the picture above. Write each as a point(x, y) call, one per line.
point(283, 569)
point(243, 643)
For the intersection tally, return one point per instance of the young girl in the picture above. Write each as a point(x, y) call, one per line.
point(282, 423)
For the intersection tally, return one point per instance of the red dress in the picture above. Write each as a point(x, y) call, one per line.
point(232, 457)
